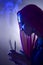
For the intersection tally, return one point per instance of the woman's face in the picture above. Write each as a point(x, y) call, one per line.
point(28, 30)
point(28, 38)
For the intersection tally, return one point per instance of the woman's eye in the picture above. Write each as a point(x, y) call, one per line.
point(19, 19)
point(23, 26)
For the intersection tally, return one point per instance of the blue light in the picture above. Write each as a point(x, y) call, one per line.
point(20, 1)
point(23, 26)
point(9, 6)
point(19, 20)
point(1, 12)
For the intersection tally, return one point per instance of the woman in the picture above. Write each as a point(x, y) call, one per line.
point(30, 20)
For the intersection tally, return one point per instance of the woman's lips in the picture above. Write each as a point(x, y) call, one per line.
point(28, 42)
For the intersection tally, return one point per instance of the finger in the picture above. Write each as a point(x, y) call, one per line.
point(28, 45)
point(32, 37)
point(10, 45)
point(10, 54)
point(12, 51)
point(23, 41)
point(36, 37)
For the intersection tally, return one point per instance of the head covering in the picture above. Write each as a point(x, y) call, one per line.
point(32, 15)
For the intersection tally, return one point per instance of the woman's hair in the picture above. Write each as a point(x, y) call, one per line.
point(32, 15)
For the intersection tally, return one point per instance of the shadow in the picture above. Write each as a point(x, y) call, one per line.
point(19, 59)
point(22, 59)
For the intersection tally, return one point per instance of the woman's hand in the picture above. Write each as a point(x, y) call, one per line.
point(28, 42)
